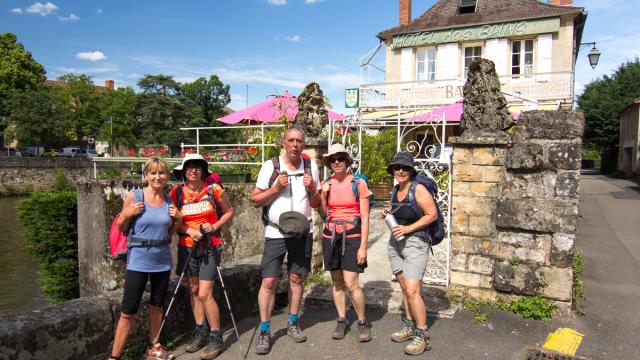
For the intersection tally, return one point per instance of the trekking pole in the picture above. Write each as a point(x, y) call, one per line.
point(233, 320)
point(166, 314)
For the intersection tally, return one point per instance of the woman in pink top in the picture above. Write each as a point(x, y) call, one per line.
point(345, 235)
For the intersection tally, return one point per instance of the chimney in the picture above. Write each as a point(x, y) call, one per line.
point(562, 2)
point(405, 12)
point(109, 84)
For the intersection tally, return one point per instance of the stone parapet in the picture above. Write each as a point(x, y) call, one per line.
point(515, 208)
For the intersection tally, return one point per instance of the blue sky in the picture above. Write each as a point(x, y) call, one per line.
point(269, 45)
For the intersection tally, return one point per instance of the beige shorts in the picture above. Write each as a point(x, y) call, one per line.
point(408, 256)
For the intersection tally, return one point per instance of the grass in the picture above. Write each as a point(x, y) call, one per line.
point(533, 307)
point(577, 288)
point(316, 278)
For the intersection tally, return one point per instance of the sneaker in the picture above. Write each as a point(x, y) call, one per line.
point(214, 347)
point(263, 345)
point(199, 339)
point(157, 352)
point(406, 332)
point(419, 344)
point(341, 329)
point(293, 329)
point(364, 331)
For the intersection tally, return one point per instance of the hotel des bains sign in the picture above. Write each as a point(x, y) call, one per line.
point(481, 32)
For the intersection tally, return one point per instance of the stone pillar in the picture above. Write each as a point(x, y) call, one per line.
point(315, 148)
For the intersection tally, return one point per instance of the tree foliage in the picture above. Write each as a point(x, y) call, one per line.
point(118, 117)
point(77, 97)
point(601, 102)
point(18, 71)
point(377, 152)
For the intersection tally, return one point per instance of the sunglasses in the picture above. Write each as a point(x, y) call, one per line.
point(333, 159)
point(192, 168)
point(402, 167)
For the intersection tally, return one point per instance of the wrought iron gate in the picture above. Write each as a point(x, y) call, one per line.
point(426, 140)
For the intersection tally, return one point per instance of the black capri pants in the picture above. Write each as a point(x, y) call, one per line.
point(134, 285)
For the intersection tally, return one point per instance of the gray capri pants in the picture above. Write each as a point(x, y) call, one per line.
point(408, 256)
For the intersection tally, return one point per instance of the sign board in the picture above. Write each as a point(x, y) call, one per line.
point(351, 98)
point(483, 32)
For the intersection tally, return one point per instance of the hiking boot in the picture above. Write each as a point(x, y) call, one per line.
point(293, 329)
point(406, 332)
point(364, 331)
point(214, 347)
point(419, 344)
point(263, 344)
point(342, 326)
point(199, 339)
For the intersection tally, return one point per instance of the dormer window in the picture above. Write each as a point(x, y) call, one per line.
point(467, 7)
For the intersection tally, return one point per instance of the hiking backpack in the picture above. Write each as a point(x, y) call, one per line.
point(306, 165)
point(120, 242)
point(435, 232)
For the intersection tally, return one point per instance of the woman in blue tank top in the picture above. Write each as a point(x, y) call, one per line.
point(154, 221)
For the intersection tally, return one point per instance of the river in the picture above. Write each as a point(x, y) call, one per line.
point(19, 287)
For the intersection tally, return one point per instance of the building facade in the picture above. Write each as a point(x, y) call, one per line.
point(534, 47)
point(629, 152)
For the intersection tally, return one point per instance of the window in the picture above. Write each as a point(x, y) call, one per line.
point(467, 7)
point(471, 53)
point(426, 64)
point(522, 57)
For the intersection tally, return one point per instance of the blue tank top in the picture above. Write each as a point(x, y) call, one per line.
point(154, 224)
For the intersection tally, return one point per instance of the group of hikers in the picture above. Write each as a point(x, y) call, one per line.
point(288, 188)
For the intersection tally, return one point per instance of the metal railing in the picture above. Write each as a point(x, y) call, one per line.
point(534, 87)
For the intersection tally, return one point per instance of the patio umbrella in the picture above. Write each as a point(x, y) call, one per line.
point(272, 110)
point(452, 113)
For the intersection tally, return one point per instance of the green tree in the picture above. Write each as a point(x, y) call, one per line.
point(118, 117)
point(377, 152)
point(35, 118)
point(77, 96)
point(601, 102)
point(18, 71)
point(210, 95)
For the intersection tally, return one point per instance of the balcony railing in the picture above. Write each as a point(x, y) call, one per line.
point(532, 88)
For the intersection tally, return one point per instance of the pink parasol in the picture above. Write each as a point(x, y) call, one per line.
point(451, 112)
point(275, 109)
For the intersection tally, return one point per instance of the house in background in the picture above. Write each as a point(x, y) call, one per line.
point(628, 153)
point(534, 46)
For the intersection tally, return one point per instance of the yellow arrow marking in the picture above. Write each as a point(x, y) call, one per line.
point(564, 340)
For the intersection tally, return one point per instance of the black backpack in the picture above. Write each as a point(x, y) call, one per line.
point(435, 231)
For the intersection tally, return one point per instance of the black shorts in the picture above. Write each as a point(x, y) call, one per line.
point(203, 263)
point(134, 284)
point(298, 256)
point(333, 258)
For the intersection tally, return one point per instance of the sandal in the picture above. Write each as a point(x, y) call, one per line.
point(158, 352)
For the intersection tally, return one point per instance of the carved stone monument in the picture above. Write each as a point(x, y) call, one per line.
point(485, 108)
point(312, 114)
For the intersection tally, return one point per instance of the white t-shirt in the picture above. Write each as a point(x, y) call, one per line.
point(282, 202)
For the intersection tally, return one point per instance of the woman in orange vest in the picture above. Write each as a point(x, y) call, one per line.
point(204, 209)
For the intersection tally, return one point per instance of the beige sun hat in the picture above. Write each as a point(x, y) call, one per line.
point(178, 171)
point(333, 150)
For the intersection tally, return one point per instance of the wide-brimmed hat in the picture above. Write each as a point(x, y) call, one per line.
point(334, 150)
point(178, 171)
point(402, 158)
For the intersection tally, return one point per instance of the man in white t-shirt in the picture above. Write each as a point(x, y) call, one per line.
point(273, 192)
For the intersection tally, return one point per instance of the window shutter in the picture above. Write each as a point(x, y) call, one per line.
point(406, 64)
point(447, 61)
point(497, 50)
point(545, 46)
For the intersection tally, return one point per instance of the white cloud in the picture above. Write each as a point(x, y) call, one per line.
point(41, 9)
point(293, 38)
point(91, 56)
point(107, 67)
point(312, 1)
point(99, 11)
point(70, 18)
point(16, 10)
point(277, 2)
point(259, 76)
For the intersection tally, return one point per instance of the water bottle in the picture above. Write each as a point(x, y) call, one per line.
point(391, 223)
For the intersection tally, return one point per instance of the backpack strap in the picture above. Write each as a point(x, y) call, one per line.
point(412, 199)
point(274, 175)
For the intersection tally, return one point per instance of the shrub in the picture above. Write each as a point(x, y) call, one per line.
point(49, 229)
point(377, 152)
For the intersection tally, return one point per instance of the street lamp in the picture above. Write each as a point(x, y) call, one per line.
point(593, 55)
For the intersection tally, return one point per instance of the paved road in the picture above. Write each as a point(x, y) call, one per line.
point(609, 239)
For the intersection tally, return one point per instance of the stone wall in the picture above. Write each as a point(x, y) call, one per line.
point(515, 208)
point(26, 175)
point(84, 328)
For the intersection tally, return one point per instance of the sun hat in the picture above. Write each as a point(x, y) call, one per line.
point(178, 171)
point(402, 158)
point(334, 150)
